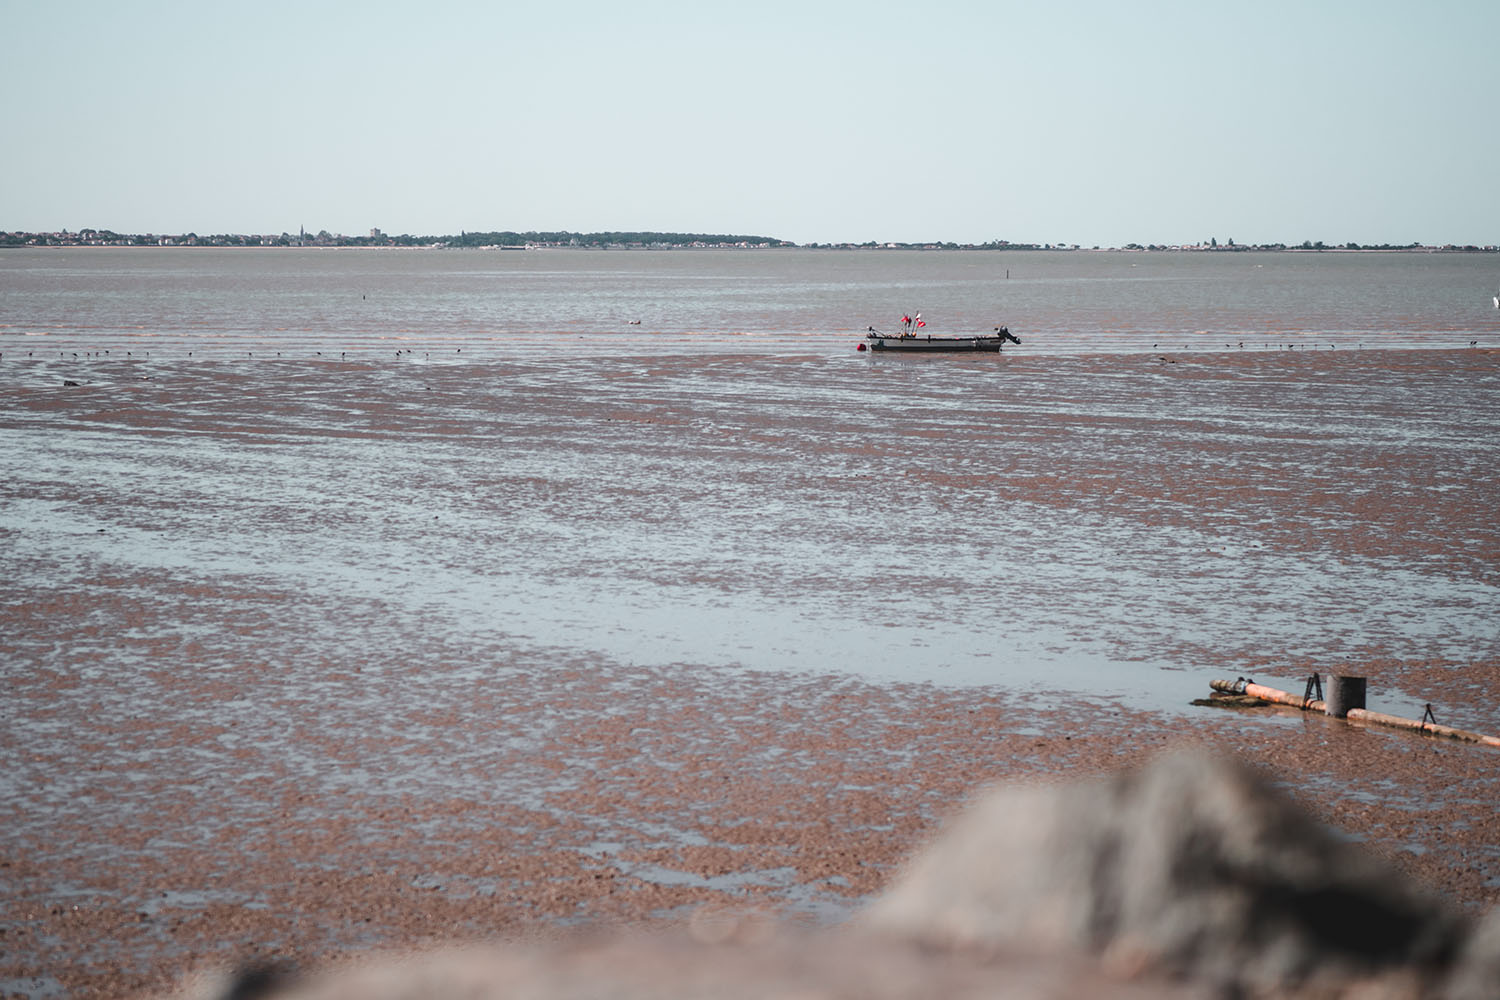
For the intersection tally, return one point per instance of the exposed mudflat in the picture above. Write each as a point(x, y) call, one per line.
point(304, 657)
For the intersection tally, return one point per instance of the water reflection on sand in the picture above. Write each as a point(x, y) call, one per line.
point(1117, 525)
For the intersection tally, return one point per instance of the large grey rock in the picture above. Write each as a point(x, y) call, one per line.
point(1194, 866)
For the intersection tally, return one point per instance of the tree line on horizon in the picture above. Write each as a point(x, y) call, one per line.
point(508, 238)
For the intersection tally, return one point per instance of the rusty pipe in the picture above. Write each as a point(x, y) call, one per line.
point(1264, 693)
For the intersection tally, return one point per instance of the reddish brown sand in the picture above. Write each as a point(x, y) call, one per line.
point(634, 795)
point(858, 780)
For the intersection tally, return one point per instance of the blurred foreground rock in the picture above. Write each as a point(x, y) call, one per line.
point(1192, 866)
point(1189, 878)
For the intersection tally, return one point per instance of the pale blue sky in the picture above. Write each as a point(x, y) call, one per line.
point(1055, 121)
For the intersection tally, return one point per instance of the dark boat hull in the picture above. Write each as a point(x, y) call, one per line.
point(935, 344)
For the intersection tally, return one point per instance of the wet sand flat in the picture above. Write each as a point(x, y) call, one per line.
point(305, 656)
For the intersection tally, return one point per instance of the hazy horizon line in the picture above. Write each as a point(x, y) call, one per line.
point(722, 239)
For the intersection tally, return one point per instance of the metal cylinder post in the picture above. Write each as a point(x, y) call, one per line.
point(1343, 694)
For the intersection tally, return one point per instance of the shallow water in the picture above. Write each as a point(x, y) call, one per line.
point(233, 303)
point(731, 484)
point(1113, 525)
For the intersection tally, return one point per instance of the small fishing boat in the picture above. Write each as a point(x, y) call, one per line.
point(912, 341)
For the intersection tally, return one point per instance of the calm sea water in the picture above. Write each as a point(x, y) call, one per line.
point(322, 458)
point(500, 302)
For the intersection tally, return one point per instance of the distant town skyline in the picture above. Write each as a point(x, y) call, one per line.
point(1087, 123)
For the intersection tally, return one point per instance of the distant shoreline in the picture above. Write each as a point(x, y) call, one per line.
point(649, 241)
point(926, 248)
